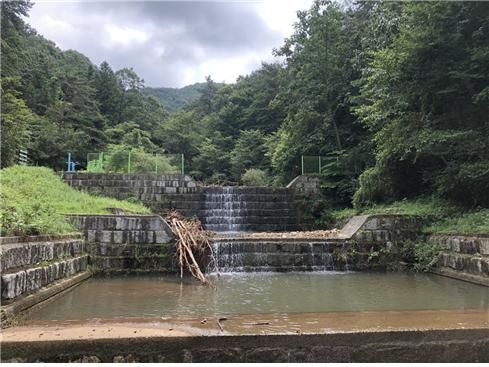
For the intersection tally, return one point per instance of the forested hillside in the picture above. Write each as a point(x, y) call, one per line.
point(394, 95)
point(174, 98)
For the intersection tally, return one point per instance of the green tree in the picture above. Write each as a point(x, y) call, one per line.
point(15, 121)
point(249, 151)
point(425, 99)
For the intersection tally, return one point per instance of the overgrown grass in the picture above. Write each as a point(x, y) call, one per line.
point(34, 201)
point(441, 216)
point(468, 223)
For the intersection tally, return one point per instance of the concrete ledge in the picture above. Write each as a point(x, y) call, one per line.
point(469, 345)
point(43, 238)
point(471, 278)
point(25, 302)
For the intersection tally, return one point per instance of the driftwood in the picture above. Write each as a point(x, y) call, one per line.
point(192, 240)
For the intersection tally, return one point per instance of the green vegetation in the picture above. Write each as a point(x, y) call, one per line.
point(441, 216)
point(472, 222)
point(394, 95)
point(425, 256)
point(255, 177)
point(34, 201)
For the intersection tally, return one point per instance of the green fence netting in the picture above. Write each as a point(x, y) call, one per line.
point(316, 165)
point(135, 162)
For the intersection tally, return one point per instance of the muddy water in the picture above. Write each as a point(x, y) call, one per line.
point(262, 293)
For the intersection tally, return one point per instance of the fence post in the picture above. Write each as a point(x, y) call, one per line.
point(129, 162)
point(319, 164)
point(302, 164)
point(183, 169)
point(156, 164)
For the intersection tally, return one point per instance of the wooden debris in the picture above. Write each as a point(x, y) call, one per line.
point(257, 323)
point(192, 242)
point(220, 325)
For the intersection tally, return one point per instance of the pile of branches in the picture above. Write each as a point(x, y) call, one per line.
point(193, 245)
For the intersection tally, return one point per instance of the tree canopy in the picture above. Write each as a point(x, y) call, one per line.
point(393, 95)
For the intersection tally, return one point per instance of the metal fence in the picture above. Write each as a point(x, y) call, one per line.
point(135, 162)
point(316, 165)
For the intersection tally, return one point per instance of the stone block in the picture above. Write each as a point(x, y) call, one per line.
point(484, 246)
point(117, 237)
point(170, 190)
point(13, 285)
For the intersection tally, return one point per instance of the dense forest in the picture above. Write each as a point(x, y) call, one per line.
point(393, 95)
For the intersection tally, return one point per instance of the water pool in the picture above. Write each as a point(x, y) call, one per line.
point(262, 293)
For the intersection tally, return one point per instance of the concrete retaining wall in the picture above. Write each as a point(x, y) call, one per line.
point(463, 257)
point(470, 345)
point(26, 281)
point(29, 266)
point(305, 185)
point(256, 208)
point(128, 243)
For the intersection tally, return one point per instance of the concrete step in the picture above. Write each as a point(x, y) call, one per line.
point(25, 281)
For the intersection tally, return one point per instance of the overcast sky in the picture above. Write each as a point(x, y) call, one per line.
point(171, 43)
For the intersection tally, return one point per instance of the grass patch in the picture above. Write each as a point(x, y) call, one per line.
point(433, 209)
point(34, 201)
point(473, 222)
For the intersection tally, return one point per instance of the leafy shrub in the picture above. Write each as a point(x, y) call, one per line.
point(117, 156)
point(466, 184)
point(255, 177)
point(374, 187)
point(426, 256)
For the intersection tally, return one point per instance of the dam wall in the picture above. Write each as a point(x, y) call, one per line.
point(219, 208)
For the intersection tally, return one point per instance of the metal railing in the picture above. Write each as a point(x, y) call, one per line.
point(135, 162)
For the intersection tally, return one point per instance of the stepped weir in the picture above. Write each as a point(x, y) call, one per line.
point(243, 209)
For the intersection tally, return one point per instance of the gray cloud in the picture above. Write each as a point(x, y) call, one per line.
point(167, 43)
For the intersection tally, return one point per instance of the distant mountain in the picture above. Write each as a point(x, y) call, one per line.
point(175, 98)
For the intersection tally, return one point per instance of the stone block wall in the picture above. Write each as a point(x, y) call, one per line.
point(305, 185)
point(386, 228)
point(128, 243)
point(158, 192)
point(28, 266)
point(251, 208)
point(366, 242)
point(463, 257)
point(279, 255)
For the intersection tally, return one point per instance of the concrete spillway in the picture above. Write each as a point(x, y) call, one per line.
point(238, 209)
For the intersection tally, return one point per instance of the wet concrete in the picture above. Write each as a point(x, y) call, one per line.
point(257, 324)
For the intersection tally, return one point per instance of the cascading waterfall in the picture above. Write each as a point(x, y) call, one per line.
point(236, 255)
point(224, 209)
point(239, 209)
point(242, 209)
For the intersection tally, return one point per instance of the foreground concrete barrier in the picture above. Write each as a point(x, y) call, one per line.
point(471, 345)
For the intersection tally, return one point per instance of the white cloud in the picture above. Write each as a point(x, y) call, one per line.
point(125, 36)
point(171, 43)
point(280, 15)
